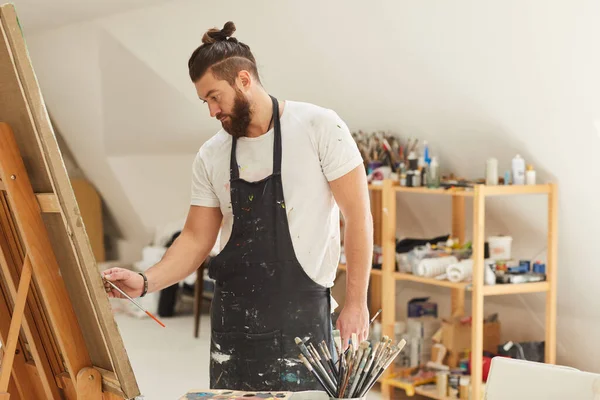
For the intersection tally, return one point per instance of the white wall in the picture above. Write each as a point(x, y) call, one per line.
point(476, 79)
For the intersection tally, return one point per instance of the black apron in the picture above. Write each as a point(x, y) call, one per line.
point(263, 297)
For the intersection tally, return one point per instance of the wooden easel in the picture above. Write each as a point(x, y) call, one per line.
point(60, 340)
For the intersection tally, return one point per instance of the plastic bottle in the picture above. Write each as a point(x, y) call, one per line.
point(426, 153)
point(518, 170)
point(433, 178)
point(491, 171)
point(530, 175)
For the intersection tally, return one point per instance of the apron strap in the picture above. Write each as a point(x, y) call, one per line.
point(277, 140)
point(234, 172)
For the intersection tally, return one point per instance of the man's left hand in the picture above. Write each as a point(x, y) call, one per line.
point(354, 318)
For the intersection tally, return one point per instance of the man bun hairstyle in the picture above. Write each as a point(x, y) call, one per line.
point(222, 55)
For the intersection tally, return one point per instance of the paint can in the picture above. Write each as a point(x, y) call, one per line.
point(417, 179)
point(413, 161)
point(441, 383)
point(500, 247)
point(491, 171)
point(409, 178)
point(402, 179)
point(465, 386)
point(539, 268)
point(530, 175)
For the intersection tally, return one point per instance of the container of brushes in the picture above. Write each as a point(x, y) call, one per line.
point(347, 398)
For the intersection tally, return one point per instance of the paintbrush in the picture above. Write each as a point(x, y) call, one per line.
point(356, 364)
point(337, 339)
point(350, 364)
point(376, 357)
point(393, 354)
point(367, 368)
point(327, 354)
point(375, 316)
point(317, 366)
point(136, 303)
point(323, 365)
point(310, 368)
point(341, 376)
point(361, 367)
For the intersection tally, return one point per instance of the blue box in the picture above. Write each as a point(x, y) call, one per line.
point(419, 307)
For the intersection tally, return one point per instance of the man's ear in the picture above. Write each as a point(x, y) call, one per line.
point(244, 80)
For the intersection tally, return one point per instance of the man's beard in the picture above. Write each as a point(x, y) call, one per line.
point(239, 119)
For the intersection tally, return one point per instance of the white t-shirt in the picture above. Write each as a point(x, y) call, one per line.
point(317, 147)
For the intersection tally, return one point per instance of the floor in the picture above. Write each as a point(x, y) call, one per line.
point(168, 362)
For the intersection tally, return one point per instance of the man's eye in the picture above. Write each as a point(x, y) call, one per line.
point(215, 98)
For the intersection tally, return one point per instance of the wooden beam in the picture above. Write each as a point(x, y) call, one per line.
point(48, 201)
point(39, 250)
point(477, 294)
point(551, 275)
point(15, 325)
point(458, 231)
point(40, 355)
point(388, 283)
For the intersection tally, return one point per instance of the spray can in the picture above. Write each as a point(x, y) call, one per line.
point(518, 170)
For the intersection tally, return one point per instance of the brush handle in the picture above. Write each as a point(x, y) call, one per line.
point(325, 386)
point(374, 379)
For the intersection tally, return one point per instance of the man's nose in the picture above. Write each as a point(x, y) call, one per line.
point(214, 110)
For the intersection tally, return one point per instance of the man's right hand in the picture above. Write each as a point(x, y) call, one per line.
point(128, 281)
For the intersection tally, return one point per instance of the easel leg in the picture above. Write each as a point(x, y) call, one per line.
point(89, 384)
point(15, 326)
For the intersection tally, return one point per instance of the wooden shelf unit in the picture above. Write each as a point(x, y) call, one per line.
point(383, 199)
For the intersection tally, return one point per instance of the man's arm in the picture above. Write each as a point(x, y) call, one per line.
point(189, 250)
point(182, 258)
point(351, 193)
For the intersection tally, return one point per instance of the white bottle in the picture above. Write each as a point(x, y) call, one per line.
point(518, 170)
point(530, 175)
point(491, 171)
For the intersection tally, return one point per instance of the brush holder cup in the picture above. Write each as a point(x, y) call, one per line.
point(354, 398)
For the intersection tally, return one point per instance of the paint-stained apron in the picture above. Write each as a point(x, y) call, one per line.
point(263, 297)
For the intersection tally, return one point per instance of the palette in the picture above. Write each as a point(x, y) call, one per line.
point(235, 395)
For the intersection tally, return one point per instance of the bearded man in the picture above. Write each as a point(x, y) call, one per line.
point(275, 271)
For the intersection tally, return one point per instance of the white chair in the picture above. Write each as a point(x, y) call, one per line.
point(512, 379)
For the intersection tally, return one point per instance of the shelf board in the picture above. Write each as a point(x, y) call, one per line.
point(438, 191)
point(516, 288)
point(504, 190)
point(376, 272)
point(488, 191)
point(492, 290)
point(430, 281)
point(376, 186)
point(431, 393)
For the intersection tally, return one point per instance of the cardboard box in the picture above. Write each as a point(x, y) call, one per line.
point(421, 307)
point(456, 337)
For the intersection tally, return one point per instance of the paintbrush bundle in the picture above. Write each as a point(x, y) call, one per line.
point(355, 371)
point(384, 148)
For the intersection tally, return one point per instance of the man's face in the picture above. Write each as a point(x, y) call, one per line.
point(228, 104)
